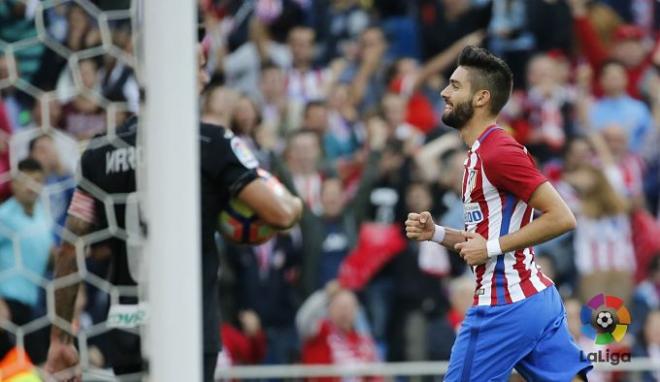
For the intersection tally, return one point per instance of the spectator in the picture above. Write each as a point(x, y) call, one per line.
point(271, 269)
point(338, 24)
point(616, 107)
point(240, 68)
point(629, 166)
point(543, 19)
point(59, 181)
point(366, 72)
point(315, 117)
point(10, 99)
point(24, 223)
point(17, 23)
point(419, 301)
point(410, 79)
point(604, 254)
point(628, 48)
point(510, 35)
point(444, 22)
point(343, 213)
point(345, 132)
point(54, 74)
point(67, 149)
point(303, 159)
point(334, 339)
point(304, 83)
point(646, 297)
point(649, 344)
point(118, 82)
point(542, 117)
point(272, 97)
point(461, 290)
point(242, 344)
point(394, 113)
point(83, 117)
point(573, 316)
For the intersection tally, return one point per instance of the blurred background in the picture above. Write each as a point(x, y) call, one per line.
point(340, 100)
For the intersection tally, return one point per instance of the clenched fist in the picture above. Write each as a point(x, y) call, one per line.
point(420, 226)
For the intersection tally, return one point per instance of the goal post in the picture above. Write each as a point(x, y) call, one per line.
point(172, 248)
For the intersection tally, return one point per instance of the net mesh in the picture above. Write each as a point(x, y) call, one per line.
point(68, 70)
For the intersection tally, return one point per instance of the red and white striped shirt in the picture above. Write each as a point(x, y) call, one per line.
point(604, 244)
point(498, 180)
point(307, 86)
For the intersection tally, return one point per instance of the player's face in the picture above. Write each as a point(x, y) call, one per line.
point(458, 100)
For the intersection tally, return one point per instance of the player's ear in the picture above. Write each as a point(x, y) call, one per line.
point(481, 98)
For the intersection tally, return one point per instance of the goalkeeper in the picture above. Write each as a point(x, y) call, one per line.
point(228, 169)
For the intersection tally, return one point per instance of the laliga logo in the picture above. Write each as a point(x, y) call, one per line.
point(605, 319)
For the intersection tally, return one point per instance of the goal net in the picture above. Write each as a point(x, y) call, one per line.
point(71, 73)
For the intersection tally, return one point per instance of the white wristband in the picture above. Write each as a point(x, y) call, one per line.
point(493, 247)
point(439, 234)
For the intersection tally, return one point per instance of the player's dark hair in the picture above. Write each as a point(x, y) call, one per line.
point(488, 72)
point(33, 141)
point(233, 123)
point(30, 165)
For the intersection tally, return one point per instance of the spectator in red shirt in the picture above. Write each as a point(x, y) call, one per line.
point(245, 344)
point(629, 47)
point(333, 338)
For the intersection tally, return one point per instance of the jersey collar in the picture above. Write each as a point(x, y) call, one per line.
point(483, 136)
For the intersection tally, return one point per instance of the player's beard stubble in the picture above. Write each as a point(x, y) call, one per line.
point(460, 114)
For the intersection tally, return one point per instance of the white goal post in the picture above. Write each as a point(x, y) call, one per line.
point(174, 330)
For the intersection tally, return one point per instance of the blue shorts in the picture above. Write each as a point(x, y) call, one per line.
point(530, 335)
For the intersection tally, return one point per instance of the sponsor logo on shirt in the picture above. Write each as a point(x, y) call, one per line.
point(243, 153)
point(472, 213)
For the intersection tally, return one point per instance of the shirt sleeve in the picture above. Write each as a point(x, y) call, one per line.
point(229, 162)
point(83, 204)
point(510, 168)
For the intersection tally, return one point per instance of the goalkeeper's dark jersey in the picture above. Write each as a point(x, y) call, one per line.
point(108, 172)
point(106, 190)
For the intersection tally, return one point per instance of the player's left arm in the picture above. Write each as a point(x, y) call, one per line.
point(556, 219)
point(513, 170)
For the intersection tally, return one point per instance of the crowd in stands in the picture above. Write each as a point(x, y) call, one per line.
point(340, 99)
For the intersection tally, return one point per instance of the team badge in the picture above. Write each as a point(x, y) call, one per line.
point(243, 153)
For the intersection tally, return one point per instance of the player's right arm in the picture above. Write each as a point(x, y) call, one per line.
point(237, 170)
point(62, 353)
point(420, 227)
point(279, 211)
